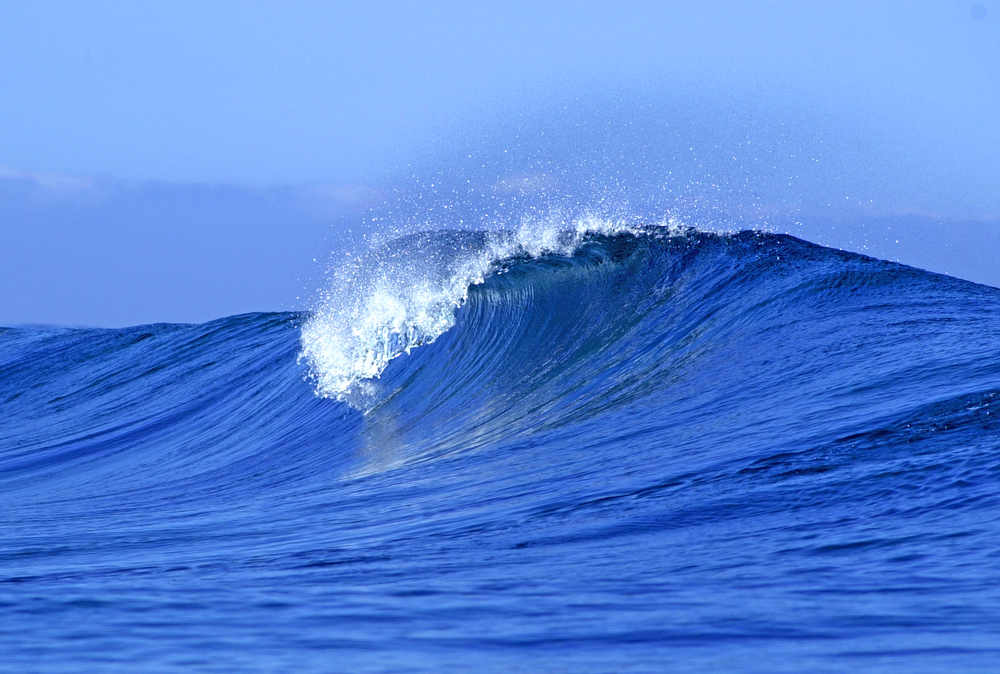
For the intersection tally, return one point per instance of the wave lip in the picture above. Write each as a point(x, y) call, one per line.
point(403, 294)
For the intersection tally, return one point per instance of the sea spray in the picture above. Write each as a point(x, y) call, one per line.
point(403, 293)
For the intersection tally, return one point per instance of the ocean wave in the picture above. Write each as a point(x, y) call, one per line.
point(404, 293)
point(657, 443)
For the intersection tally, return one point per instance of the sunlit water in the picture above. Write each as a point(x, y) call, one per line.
point(646, 450)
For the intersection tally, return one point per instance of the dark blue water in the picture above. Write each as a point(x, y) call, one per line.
point(650, 451)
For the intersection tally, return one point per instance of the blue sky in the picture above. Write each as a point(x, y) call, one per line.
point(185, 160)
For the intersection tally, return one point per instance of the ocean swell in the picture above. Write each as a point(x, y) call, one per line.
point(597, 450)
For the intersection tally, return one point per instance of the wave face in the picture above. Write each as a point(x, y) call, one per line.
point(639, 450)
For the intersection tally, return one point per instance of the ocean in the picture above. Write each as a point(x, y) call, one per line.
point(639, 449)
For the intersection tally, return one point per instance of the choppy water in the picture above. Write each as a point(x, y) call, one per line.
point(653, 450)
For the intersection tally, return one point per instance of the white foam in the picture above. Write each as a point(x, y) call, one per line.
point(401, 295)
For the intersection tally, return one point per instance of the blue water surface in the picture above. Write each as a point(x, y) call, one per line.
point(665, 451)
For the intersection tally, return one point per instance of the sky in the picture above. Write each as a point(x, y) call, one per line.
point(183, 161)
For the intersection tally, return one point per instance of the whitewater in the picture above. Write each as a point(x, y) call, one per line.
point(609, 446)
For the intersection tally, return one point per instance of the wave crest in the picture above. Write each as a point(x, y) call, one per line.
point(403, 294)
